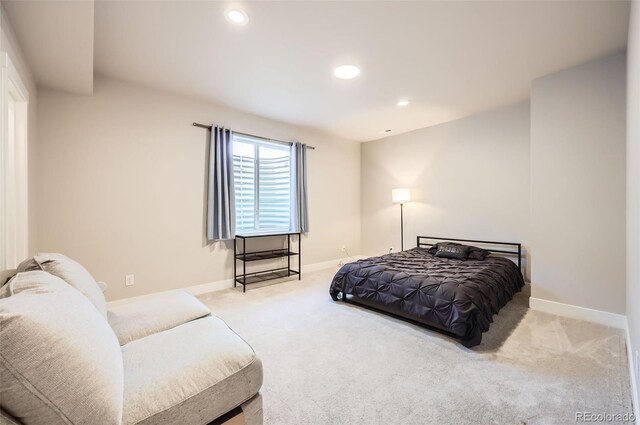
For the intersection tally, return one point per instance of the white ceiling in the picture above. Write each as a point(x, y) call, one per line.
point(57, 40)
point(449, 58)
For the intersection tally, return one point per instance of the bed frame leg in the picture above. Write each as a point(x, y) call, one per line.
point(520, 258)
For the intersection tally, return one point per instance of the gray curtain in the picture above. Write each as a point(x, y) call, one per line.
point(221, 210)
point(299, 181)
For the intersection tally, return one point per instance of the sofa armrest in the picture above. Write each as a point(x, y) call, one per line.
point(153, 314)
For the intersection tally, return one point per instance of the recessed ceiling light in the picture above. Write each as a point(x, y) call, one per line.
point(346, 72)
point(403, 102)
point(237, 16)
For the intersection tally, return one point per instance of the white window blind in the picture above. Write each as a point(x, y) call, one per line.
point(262, 178)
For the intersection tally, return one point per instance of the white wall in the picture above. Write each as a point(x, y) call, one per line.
point(121, 186)
point(633, 186)
point(469, 179)
point(578, 186)
point(10, 47)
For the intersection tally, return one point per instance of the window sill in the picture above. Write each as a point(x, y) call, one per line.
point(266, 233)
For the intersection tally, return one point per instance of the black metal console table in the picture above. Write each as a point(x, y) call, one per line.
point(247, 278)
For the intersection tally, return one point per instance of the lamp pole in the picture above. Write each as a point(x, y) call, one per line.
point(400, 196)
point(401, 227)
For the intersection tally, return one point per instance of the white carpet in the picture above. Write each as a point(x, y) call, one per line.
point(335, 363)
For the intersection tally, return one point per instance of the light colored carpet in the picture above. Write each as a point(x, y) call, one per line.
point(335, 363)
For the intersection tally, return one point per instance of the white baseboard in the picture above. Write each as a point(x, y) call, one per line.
point(632, 374)
point(209, 287)
point(337, 262)
point(573, 311)
point(228, 283)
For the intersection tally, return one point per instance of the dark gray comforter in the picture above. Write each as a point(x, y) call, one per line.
point(459, 297)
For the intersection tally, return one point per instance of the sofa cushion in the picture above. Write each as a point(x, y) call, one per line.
point(60, 362)
point(156, 313)
point(190, 374)
point(71, 272)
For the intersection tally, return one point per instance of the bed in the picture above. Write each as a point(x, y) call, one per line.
point(455, 296)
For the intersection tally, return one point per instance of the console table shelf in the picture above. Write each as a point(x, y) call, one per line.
point(267, 275)
point(265, 255)
point(245, 257)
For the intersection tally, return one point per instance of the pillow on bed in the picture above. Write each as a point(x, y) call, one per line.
point(457, 252)
point(474, 253)
point(435, 247)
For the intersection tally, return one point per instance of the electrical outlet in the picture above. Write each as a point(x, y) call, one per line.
point(344, 248)
point(390, 249)
point(129, 280)
point(637, 366)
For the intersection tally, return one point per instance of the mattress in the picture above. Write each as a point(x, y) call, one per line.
point(458, 297)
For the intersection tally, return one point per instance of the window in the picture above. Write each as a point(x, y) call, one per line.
point(262, 178)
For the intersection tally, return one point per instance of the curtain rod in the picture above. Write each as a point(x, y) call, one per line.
point(208, 127)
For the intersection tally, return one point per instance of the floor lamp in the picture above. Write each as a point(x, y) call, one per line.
point(400, 196)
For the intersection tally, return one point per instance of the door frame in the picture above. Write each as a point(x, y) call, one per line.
point(14, 220)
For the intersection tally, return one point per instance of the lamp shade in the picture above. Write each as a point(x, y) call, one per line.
point(400, 196)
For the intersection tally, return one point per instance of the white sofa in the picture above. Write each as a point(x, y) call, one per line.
point(66, 359)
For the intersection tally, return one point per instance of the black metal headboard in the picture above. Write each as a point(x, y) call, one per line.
point(423, 241)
